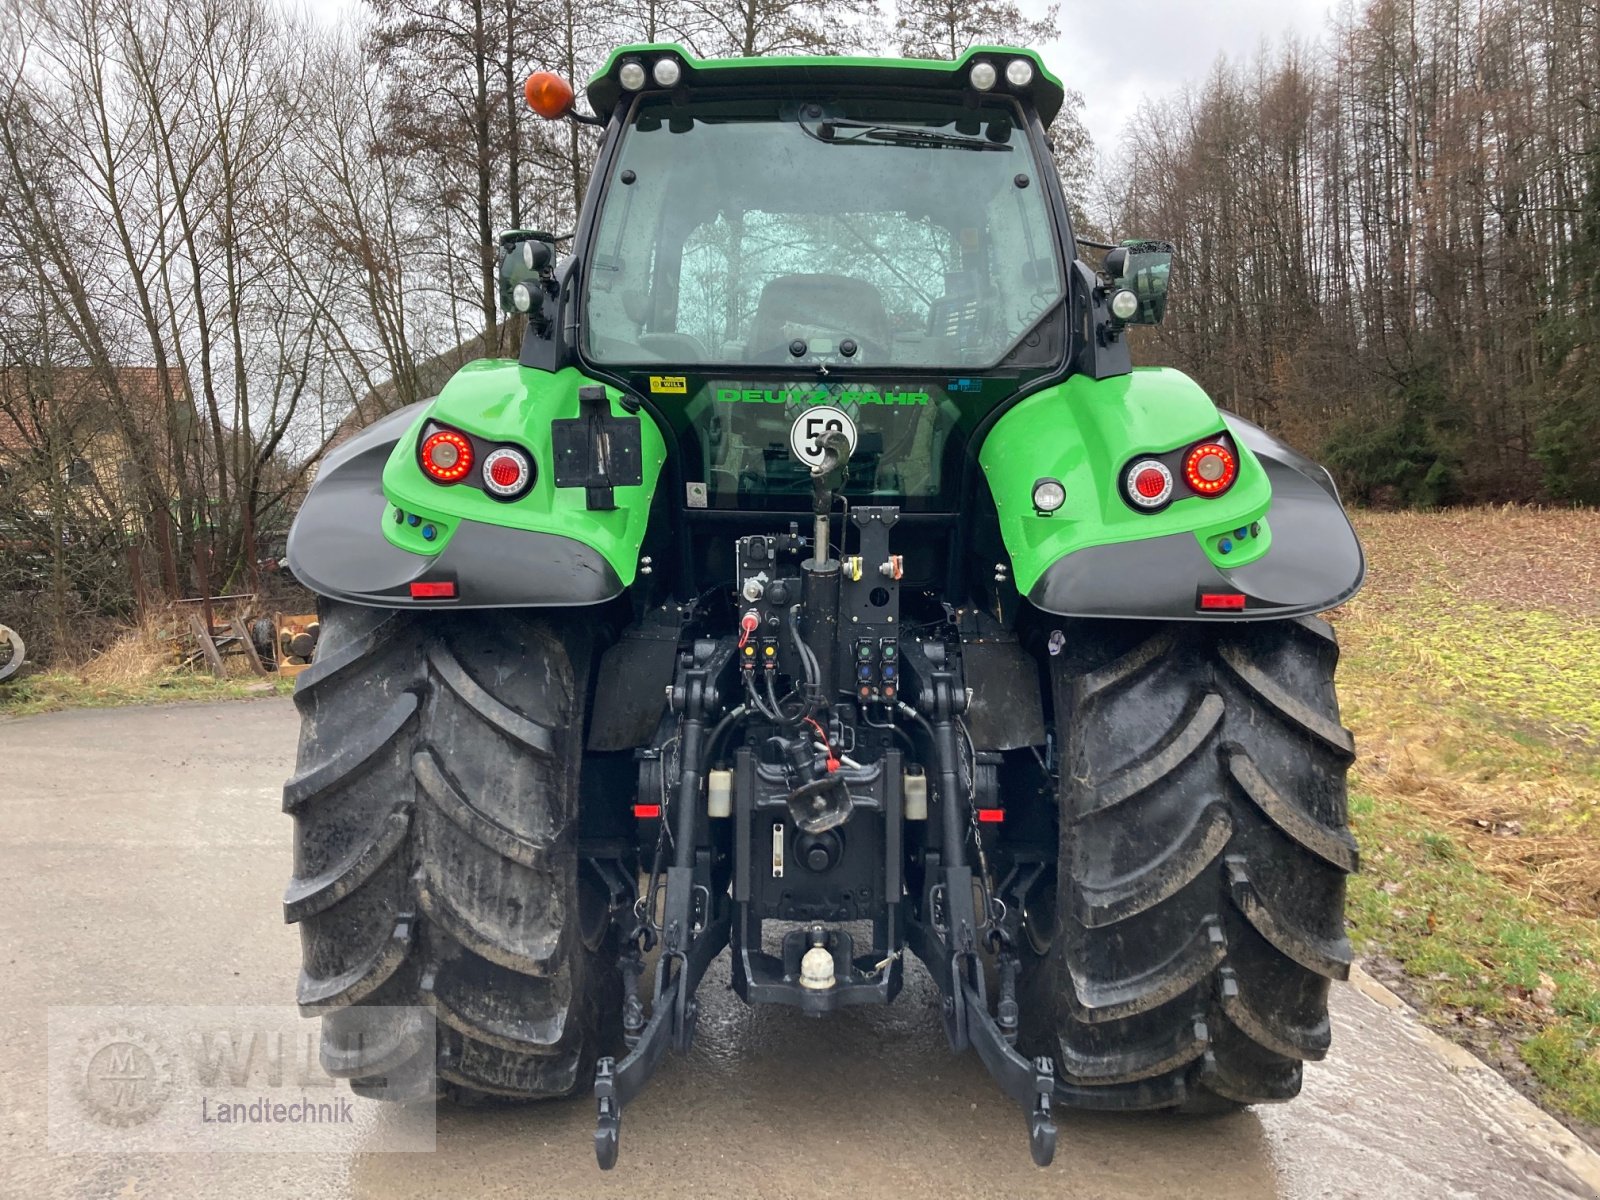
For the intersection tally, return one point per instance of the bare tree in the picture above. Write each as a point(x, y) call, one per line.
point(946, 29)
point(1386, 244)
point(761, 28)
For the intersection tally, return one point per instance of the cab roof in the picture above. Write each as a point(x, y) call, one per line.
point(1045, 91)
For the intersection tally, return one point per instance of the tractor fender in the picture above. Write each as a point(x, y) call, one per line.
point(373, 524)
point(1278, 538)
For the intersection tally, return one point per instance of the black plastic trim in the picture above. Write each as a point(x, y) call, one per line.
point(337, 547)
point(1314, 563)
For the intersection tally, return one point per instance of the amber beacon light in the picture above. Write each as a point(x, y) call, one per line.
point(548, 94)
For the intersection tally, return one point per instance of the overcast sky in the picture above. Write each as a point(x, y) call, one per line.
point(1117, 54)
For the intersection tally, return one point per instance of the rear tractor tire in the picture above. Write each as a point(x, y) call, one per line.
point(1198, 915)
point(435, 809)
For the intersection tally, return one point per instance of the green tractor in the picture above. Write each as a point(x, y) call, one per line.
point(820, 583)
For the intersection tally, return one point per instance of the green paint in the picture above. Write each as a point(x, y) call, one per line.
point(830, 71)
point(810, 396)
point(1084, 432)
point(500, 400)
point(1240, 550)
point(408, 536)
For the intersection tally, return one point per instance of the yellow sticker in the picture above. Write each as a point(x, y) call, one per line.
point(675, 385)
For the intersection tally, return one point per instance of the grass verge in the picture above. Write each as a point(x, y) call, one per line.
point(1471, 676)
point(137, 668)
point(57, 690)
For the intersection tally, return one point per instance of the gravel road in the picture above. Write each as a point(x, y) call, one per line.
point(143, 856)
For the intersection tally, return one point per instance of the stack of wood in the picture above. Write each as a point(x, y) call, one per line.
point(224, 625)
point(295, 638)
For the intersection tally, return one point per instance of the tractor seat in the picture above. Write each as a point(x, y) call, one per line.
point(808, 306)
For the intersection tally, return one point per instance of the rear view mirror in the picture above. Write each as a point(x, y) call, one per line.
point(1142, 270)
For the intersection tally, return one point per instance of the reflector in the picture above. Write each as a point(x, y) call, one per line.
point(437, 589)
point(1221, 599)
point(1148, 484)
point(507, 473)
point(991, 816)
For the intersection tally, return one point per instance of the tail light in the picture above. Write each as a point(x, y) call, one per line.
point(1148, 484)
point(446, 456)
point(507, 473)
point(1210, 469)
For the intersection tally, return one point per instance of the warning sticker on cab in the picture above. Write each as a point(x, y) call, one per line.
point(672, 385)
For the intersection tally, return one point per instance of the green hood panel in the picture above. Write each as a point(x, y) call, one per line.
point(500, 400)
point(1084, 432)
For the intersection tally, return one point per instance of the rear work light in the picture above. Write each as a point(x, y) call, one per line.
point(446, 456)
point(1148, 484)
point(631, 75)
point(666, 72)
point(507, 473)
point(1210, 469)
point(1019, 72)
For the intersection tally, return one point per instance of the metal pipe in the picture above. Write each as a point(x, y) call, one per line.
point(691, 747)
point(822, 621)
point(944, 740)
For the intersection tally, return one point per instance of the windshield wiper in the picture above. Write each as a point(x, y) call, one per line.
point(856, 132)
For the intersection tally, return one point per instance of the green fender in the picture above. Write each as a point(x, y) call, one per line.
point(1277, 538)
point(374, 524)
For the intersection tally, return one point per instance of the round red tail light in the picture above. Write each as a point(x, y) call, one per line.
point(1148, 484)
point(446, 456)
point(1210, 469)
point(507, 473)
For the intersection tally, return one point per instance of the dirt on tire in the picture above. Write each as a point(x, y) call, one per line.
point(435, 804)
point(1199, 911)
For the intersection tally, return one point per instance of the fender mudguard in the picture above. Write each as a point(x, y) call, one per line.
point(1276, 544)
point(373, 524)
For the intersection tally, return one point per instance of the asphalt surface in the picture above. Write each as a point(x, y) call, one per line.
point(143, 857)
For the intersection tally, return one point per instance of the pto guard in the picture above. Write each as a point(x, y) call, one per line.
point(547, 548)
point(1098, 557)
